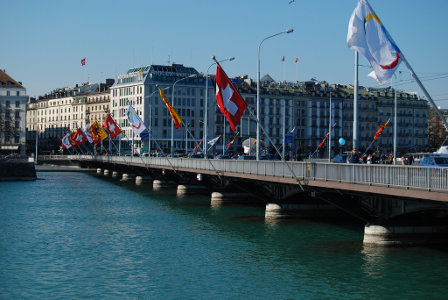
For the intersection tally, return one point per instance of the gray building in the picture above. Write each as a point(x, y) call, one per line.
point(138, 87)
point(13, 101)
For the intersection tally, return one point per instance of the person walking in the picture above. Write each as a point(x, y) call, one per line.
point(354, 158)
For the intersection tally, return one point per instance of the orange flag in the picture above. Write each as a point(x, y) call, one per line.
point(176, 118)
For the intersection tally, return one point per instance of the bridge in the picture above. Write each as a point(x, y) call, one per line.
point(399, 204)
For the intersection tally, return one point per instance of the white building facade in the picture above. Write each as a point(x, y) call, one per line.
point(13, 101)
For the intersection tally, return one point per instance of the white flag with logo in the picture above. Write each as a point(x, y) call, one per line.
point(367, 35)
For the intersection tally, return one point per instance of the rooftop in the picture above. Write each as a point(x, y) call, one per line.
point(7, 81)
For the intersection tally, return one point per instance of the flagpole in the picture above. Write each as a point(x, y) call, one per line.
point(329, 133)
point(258, 89)
point(283, 127)
point(355, 104)
point(224, 134)
point(395, 123)
point(445, 122)
point(206, 99)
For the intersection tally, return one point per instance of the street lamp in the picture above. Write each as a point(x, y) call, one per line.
point(206, 104)
point(172, 100)
point(258, 89)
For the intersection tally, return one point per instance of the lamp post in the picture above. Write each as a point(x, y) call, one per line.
point(258, 89)
point(186, 138)
point(172, 100)
point(206, 104)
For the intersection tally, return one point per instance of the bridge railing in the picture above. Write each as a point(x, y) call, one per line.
point(410, 177)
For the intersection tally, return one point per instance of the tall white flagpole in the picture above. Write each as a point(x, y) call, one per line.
point(445, 123)
point(329, 132)
point(355, 105)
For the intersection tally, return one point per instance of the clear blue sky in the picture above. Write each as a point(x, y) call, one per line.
point(43, 41)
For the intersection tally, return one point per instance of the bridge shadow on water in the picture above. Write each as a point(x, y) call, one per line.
point(247, 221)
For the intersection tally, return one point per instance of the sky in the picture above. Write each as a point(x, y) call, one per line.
point(44, 41)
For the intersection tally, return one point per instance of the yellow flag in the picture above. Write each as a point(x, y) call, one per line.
point(98, 133)
point(176, 118)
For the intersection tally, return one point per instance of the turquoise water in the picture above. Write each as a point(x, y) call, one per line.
point(75, 235)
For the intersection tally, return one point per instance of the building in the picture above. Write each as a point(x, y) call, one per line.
point(185, 89)
point(295, 117)
point(13, 101)
point(302, 111)
point(64, 110)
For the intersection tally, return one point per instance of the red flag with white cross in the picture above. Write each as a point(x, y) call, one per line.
point(230, 102)
point(111, 126)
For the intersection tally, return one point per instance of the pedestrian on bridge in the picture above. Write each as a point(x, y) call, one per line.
point(354, 158)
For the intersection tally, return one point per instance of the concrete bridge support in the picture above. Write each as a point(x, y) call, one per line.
point(405, 235)
point(99, 171)
point(116, 174)
point(184, 190)
point(159, 184)
point(220, 198)
point(300, 210)
point(106, 173)
point(139, 180)
point(128, 177)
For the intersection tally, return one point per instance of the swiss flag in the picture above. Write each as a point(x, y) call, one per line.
point(230, 102)
point(111, 126)
point(83, 61)
point(79, 137)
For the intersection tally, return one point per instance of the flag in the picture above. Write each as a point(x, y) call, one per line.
point(322, 143)
point(283, 59)
point(97, 132)
point(326, 136)
point(111, 126)
point(297, 59)
point(380, 131)
point(229, 100)
point(197, 146)
point(88, 134)
point(176, 118)
point(213, 141)
point(133, 118)
point(369, 37)
point(234, 138)
point(83, 61)
point(79, 137)
point(66, 144)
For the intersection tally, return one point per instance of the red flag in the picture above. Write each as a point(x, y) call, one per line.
point(234, 138)
point(230, 102)
point(111, 126)
point(322, 143)
point(283, 59)
point(197, 146)
point(83, 61)
point(326, 136)
point(297, 59)
point(380, 131)
point(79, 137)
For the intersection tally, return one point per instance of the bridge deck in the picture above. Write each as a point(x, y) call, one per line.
point(404, 181)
